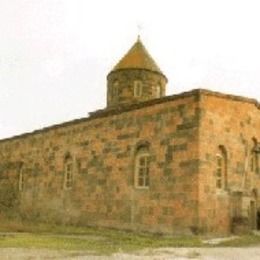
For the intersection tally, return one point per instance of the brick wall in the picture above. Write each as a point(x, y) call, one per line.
point(232, 122)
point(126, 79)
point(102, 148)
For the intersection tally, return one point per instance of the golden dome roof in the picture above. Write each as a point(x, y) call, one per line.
point(137, 58)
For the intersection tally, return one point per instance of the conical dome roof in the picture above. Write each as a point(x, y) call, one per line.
point(137, 58)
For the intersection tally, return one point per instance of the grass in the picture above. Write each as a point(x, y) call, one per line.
point(95, 240)
point(106, 245)
point(99, 240)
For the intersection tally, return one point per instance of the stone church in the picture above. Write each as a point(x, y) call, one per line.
point(186, 163)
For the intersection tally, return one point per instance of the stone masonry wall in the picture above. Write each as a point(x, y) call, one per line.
point(102, 148)
point(231, 122)
point(126, 78)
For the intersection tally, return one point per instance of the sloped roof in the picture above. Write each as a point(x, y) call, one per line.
point(129, 107)
point(137, 58)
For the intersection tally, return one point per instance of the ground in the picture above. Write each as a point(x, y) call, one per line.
point(154, 254)
point(43, 241)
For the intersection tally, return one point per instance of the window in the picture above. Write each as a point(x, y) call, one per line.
point(219, 171)
point(254, 158)
point(157, 91)
point(221, 168)
point(21, 179)
point(138, 88)
point(142, 168)
point(253, 161)
point(68, 175)
point(115, 89)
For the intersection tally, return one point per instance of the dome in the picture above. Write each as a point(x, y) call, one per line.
point(137, 58)
point(135, 78)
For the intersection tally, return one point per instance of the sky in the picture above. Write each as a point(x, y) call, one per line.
point(55, 54)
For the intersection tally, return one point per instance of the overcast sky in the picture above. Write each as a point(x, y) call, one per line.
point(55, 54)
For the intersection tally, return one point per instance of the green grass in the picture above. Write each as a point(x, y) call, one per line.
point(106, 244)
point(52, 242)
point(99, 240)
point(96, 240)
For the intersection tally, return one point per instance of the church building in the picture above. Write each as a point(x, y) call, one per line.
point(179, 164)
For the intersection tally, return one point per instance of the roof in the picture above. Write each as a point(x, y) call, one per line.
point(129, 107)
point(137, 58)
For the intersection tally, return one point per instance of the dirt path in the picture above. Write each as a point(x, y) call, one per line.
point(155, 254)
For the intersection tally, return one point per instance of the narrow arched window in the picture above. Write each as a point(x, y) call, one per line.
point(254, 157)
point(157, 91)
point(68, 173)
point(221, 168)
point(142, 168)
point(21, 179)
point(114, 92)
point(253, 161)
point(138, 88)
